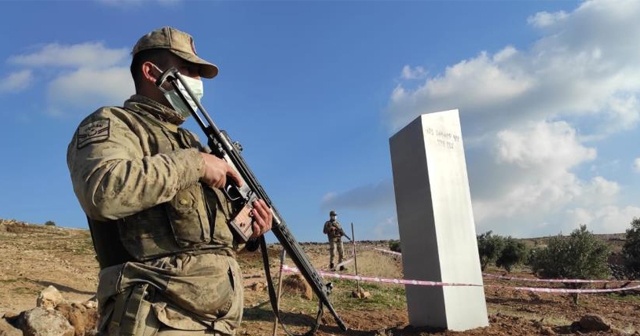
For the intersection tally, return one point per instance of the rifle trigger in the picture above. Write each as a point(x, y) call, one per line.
point(232, 193)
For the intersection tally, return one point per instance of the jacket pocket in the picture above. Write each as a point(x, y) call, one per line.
point(188, 217)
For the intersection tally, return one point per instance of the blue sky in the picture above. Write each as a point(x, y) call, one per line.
point(547, 93)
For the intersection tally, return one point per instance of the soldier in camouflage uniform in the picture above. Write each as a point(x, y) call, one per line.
point(157, 217)
point(334, 232)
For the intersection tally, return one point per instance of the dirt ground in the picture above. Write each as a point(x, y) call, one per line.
point(32, 257)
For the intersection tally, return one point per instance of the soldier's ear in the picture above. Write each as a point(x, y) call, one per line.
point(150, 72)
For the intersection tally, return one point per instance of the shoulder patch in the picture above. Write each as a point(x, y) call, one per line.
point(92, 132)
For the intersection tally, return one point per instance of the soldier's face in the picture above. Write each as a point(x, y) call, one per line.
point(186, 68)
point(333, 217)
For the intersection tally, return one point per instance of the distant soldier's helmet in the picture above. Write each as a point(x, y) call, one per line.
point(332, 213)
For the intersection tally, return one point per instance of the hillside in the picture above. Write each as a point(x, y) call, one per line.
point(33, 257)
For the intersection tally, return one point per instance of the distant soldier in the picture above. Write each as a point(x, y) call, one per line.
point(334, 232)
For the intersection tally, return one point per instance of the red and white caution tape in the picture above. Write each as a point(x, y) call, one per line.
point(348, 261)
point(542, 280)
point(388, 251)
point(568, 290)
point(555, 280)
point(286, 268)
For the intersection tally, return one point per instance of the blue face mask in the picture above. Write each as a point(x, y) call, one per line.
point(176, 102)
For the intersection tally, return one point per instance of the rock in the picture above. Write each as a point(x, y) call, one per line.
point(297, 283)
point(258, 286)
point(547, 331)
point(6, 329)
point(589, 323)
point(360, 293)
point(43, 322)
point(91, 304)
point(49, 298)
point(81, 318)
point(54, 317)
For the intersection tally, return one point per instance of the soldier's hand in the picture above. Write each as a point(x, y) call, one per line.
point(216, 171)
point(262, 218)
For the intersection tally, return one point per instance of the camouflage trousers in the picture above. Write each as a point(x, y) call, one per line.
point(175, 295)
point(336, 244)
point(153, 327)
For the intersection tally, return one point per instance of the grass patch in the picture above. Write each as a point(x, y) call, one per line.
point(8, 281)
point(25, 291)
point(631, 298)
point(262, 312)
point(374, 263)
point(382, 297)
point(79, 247)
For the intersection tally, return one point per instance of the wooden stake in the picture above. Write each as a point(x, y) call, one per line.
point(355, 256)
point(275, 322)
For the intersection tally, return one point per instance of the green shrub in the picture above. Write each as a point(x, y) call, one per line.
point(578, 256)
point(394, 245)
point(489, 248)
point(513, 253)
point(631, 250)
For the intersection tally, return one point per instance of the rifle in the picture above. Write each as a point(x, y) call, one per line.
point(341, 231)
point(242, 198)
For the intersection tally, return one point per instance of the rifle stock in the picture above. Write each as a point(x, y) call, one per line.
point(243, 197)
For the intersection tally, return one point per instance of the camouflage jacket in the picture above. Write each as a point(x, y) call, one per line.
point(332, 229)
point(136, 175)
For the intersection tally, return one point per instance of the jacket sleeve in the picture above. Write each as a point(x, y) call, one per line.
point(325, 230)
point(112, 174)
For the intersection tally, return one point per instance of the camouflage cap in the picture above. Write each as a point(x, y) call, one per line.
point(179, 43)
point(332, 213)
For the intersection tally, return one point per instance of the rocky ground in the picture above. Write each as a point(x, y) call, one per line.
point(34, 257)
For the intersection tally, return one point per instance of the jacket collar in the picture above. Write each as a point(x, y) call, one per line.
point(159, 111)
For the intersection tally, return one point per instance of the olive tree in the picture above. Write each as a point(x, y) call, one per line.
point(631, 250)
point(394, 245)
point(489, 248)
point(581, 255)
point(513, 253)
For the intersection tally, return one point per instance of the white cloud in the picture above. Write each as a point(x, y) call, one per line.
point(388, 227)
point(533, 118)
point(543, 145)
point(413, 73)
point(90, 54)
point(584, 66)
point(606, 219)
point(533, 186)
point(545, 19)
point(364, 197)
point(534, 159)
point(78, 77)
point(89, 88)
point(636, 165)
point(16, 81)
